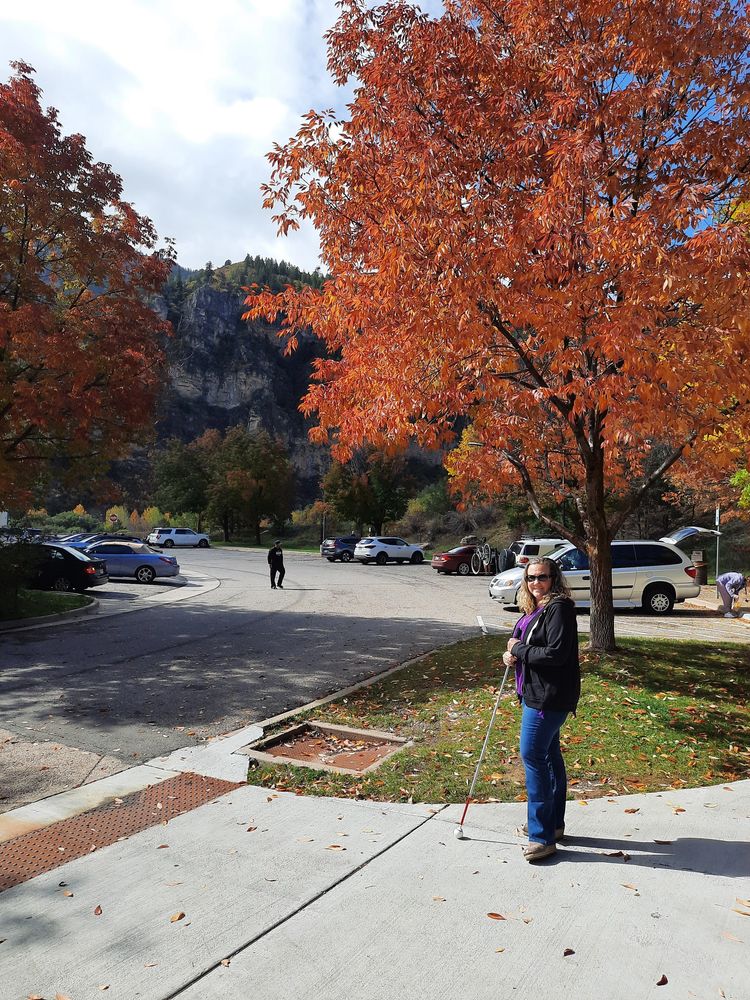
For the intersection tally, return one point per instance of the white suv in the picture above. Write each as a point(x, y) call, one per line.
point(651, 575)
point(525, 548)
point(169, 537)
point(381, 549)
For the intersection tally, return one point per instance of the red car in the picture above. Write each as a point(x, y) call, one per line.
point(456, 560)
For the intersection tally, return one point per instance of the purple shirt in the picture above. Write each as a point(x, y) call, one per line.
point(520, 632)
point(734, 582)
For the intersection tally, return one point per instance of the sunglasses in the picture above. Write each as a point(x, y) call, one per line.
point(542, 576)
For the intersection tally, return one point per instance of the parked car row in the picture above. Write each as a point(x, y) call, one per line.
point(62, 567)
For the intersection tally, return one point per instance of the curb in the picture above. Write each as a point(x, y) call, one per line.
point(62, 616)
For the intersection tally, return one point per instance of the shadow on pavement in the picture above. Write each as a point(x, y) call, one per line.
point(691, 854)
point(192, 665)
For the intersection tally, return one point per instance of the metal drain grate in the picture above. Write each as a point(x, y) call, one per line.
point(25, 857)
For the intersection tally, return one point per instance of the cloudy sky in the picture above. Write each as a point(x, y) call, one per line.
point(184, 99)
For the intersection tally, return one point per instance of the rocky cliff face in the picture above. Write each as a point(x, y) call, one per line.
point(223, 372)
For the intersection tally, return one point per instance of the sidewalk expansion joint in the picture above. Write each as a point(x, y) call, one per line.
point(299, 909)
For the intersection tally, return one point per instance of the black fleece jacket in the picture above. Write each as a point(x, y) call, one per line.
point(549, 655)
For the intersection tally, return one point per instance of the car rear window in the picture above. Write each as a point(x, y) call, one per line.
point(74, 552)
point(531, 550)
point(655, 555)
point(623, 556)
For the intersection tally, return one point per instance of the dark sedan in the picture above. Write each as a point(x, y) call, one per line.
point(61, 567)
point(457, 560)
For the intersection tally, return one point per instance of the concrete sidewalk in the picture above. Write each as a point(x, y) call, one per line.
point(267, 895)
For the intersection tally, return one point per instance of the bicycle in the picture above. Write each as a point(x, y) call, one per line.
point(483, 559)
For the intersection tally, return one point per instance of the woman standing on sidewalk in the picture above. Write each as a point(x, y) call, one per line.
point(544, 651)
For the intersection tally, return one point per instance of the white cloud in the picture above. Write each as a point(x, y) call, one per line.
point(184, 98)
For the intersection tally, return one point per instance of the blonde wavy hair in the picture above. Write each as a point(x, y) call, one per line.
point(559, 587)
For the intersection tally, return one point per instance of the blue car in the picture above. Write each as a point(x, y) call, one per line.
point(134, 559)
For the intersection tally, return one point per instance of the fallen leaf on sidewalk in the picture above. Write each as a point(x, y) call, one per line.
point(498, 950)
point(731, 937)
point(251, 829)
point(441, 899)
point(105, 986)
point(496, 916)
point(67, 892)
point(98, 911)
point(678, 809)
point(568, 951)
point(34, 996)
point(663, 981)
point(225, 961)
point(742, 902)
point(61, 996)
point(335, 847)
point(627, 885)
point(161, 847)
point(638, 809)
point(742, 913)
point(176, 916)
point(150, 965)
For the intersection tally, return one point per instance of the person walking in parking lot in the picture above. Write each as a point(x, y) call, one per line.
point(276, 565)
point(729, 586)
point(544, 651)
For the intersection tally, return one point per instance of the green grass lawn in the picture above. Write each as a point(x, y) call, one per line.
point(36, 603)
point(655, 715)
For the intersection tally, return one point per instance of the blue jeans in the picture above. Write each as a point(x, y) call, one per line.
point(546, 780)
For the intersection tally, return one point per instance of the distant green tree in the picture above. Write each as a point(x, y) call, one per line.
point(252, 481)
point(741, 479)
point(368, 490)
point(183, 473)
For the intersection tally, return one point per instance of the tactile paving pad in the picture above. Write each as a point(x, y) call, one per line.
point(31, 854)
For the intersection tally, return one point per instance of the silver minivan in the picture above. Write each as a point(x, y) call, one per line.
point(653, 575)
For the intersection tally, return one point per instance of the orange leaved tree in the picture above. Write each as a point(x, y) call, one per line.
point(79, 344)
point(529, 217)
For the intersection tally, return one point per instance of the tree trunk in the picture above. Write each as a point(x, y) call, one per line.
point(257, 532)
point(602, 635)
point(225, 526)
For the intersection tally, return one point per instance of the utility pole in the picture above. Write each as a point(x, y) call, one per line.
point(718, 513)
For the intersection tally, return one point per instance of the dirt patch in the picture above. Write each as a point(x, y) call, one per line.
point(327, 747)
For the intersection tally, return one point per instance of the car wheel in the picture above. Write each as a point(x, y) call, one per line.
point(63, 585)
point(658, 599)
point(464, 569)
point(381, 558)
point(416, 559)
point(145, 574)
point(169, 544)
point(203, 544)
point(346, 557)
